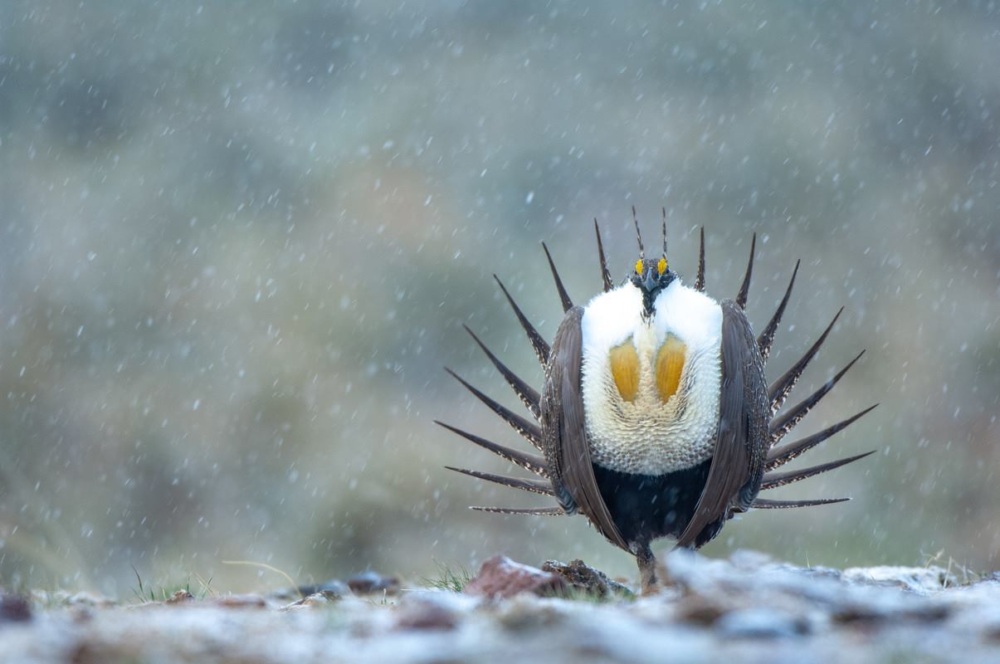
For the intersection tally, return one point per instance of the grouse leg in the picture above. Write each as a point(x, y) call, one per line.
point(647, 569)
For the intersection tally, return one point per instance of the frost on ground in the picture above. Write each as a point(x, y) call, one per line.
point(749, 606)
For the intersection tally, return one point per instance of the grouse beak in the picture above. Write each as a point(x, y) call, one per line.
point(649, 280)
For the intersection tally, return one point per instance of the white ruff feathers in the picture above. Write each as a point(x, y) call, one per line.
point(646, 435)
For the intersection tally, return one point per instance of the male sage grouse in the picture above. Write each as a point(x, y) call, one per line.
point(654, 419)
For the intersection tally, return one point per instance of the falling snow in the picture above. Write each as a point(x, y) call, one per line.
point(238, 248)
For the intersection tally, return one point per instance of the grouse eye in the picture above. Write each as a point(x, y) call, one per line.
point(638, 267)
point(661, 266)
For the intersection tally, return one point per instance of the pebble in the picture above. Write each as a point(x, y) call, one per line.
point(14, 608)
point(752, 608)
point(370, 583)
point(501, 577)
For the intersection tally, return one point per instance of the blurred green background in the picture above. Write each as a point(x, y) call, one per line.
point(238, 244)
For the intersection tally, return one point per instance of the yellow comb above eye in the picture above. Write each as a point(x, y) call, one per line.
point(661, 266)
point(638, 266)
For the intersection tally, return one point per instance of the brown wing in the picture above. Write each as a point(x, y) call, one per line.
point(564, 433)
point(741, 442)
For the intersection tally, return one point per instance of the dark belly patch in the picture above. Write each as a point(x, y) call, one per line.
point(645, 507)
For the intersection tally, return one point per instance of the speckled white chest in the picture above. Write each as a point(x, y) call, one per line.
point(646, 435)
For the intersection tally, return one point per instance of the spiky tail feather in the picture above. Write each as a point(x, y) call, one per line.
point(777, 393)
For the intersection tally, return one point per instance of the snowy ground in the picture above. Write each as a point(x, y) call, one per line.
point(749, 607)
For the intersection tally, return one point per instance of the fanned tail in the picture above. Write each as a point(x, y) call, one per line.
point(780, 388)
point(533, 511)
point(567, 303)
point(527, 394)
point(605, 274)
point(779, 456)
point(533, 486)
point(529, 430)
point(780, 425)
point(531, 399)
point(775, 479)
point(765, 504)
point(530, 462)
point(766, 337)
point(741, 297)
point(699, 282)
point(537, 342)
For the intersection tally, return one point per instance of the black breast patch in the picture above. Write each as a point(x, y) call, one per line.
point(645, 507)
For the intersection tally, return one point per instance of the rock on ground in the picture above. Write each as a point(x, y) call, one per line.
point(748, 608)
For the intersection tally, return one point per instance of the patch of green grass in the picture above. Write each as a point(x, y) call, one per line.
point(578, 594)
point(449, 578)
point(961, 573)
point(164, 592)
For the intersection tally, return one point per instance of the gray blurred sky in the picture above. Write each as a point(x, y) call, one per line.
point(238, 245)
